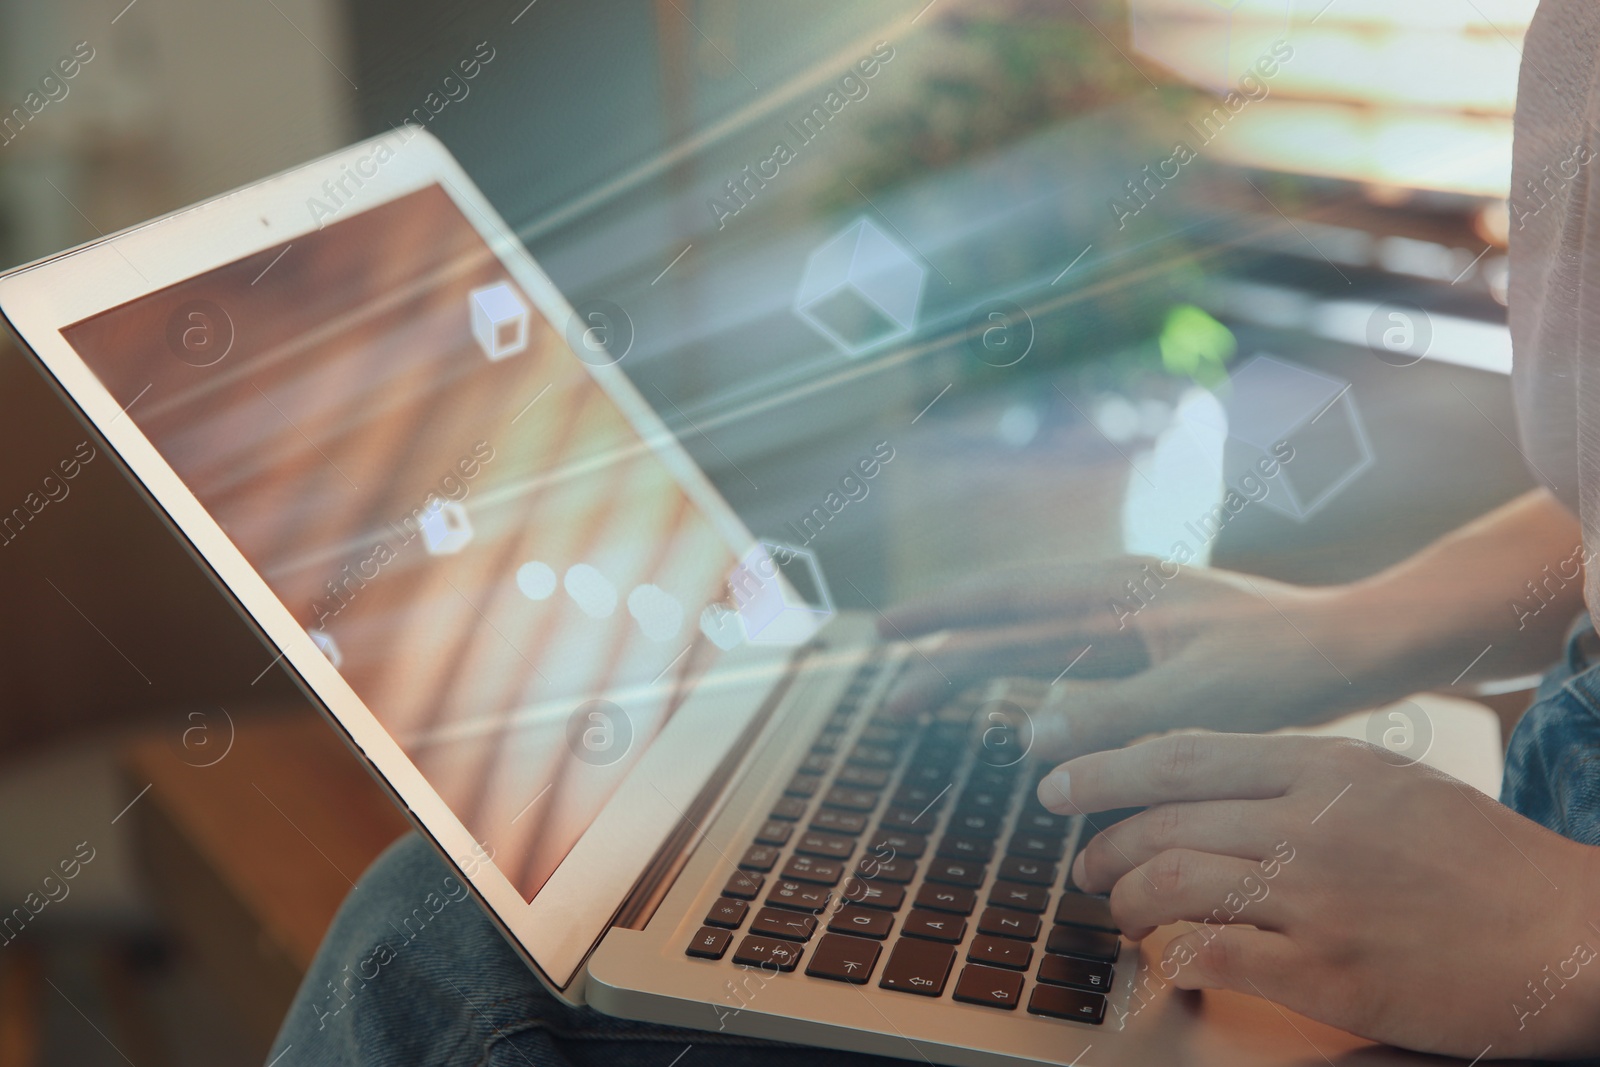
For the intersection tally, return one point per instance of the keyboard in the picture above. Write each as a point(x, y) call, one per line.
point(916, 854)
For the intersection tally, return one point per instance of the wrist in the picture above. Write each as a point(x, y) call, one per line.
point(1382, 646)
point(1403, 634)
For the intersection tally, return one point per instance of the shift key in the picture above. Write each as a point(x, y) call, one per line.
point(919, 967)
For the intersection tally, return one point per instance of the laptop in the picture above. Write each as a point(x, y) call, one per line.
point(638, 732)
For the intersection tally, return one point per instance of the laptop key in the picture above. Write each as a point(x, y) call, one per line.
point(759, 858)
point(989, 986)
point(743, 885)
point(934, 776)
point(1022, 897)
point(827, 846)
point(1037, 846)
point(756, 951)
point(957, 872)
point(1081, 910)
point(728, 913)
point(981, 801)
point(1038, 821)
point(828, 742)
point(862, 778)
point(945, 762)
point(975, 824)
point(861, 922)
point(876, 869)
point(966, 848)
point(788, 925)
point(838, 822)
point(851, 799)
point(816, 763)
point(709, 944)
point(998, 779)
point(909, 846)
point(1079, 974)
point(789, 809)
point(799, 896)
point(883, 734)
point(909, 820)
point(921, 797)
point(1003, 922)
point(919, 967)
point(1062, 1003)
point(874, 756)
point(998, 951)
point(1080, 941)
point(844, 959)
point(870, 894)
point(803, 785)
point(774, 832)
point(1026, 871)
point(949, 898)
point(812, 869)
point(934, 926)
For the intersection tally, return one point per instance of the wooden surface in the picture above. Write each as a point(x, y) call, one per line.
point(250, 857)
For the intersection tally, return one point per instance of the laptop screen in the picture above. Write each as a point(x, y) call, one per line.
point(432, 481)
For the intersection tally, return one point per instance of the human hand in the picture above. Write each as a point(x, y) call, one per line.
point(1176, 647)
point(1388, 900)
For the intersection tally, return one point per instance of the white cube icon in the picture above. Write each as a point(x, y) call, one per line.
point(1210, 43)
point(1274, 407)
point(499, 320)
point(860, 289)
point(780, 594)
point(445, 527)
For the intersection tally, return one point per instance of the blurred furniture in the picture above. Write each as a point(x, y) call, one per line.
point(250, 857)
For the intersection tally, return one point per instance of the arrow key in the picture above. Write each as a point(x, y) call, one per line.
point(990, 987)
point(844, 959)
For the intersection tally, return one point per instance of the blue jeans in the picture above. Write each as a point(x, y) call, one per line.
point(1553, 761)
point(413, 974)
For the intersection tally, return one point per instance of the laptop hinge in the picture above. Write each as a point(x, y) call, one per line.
point(651, 888)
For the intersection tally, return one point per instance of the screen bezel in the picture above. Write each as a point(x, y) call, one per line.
point(565, 920)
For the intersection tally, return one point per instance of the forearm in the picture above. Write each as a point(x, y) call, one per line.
point(1509, 583)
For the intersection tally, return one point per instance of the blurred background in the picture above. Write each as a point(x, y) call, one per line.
point(1105, 252)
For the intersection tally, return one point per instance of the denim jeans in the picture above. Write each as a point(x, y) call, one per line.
point(1553, 761)
point(413, 974)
